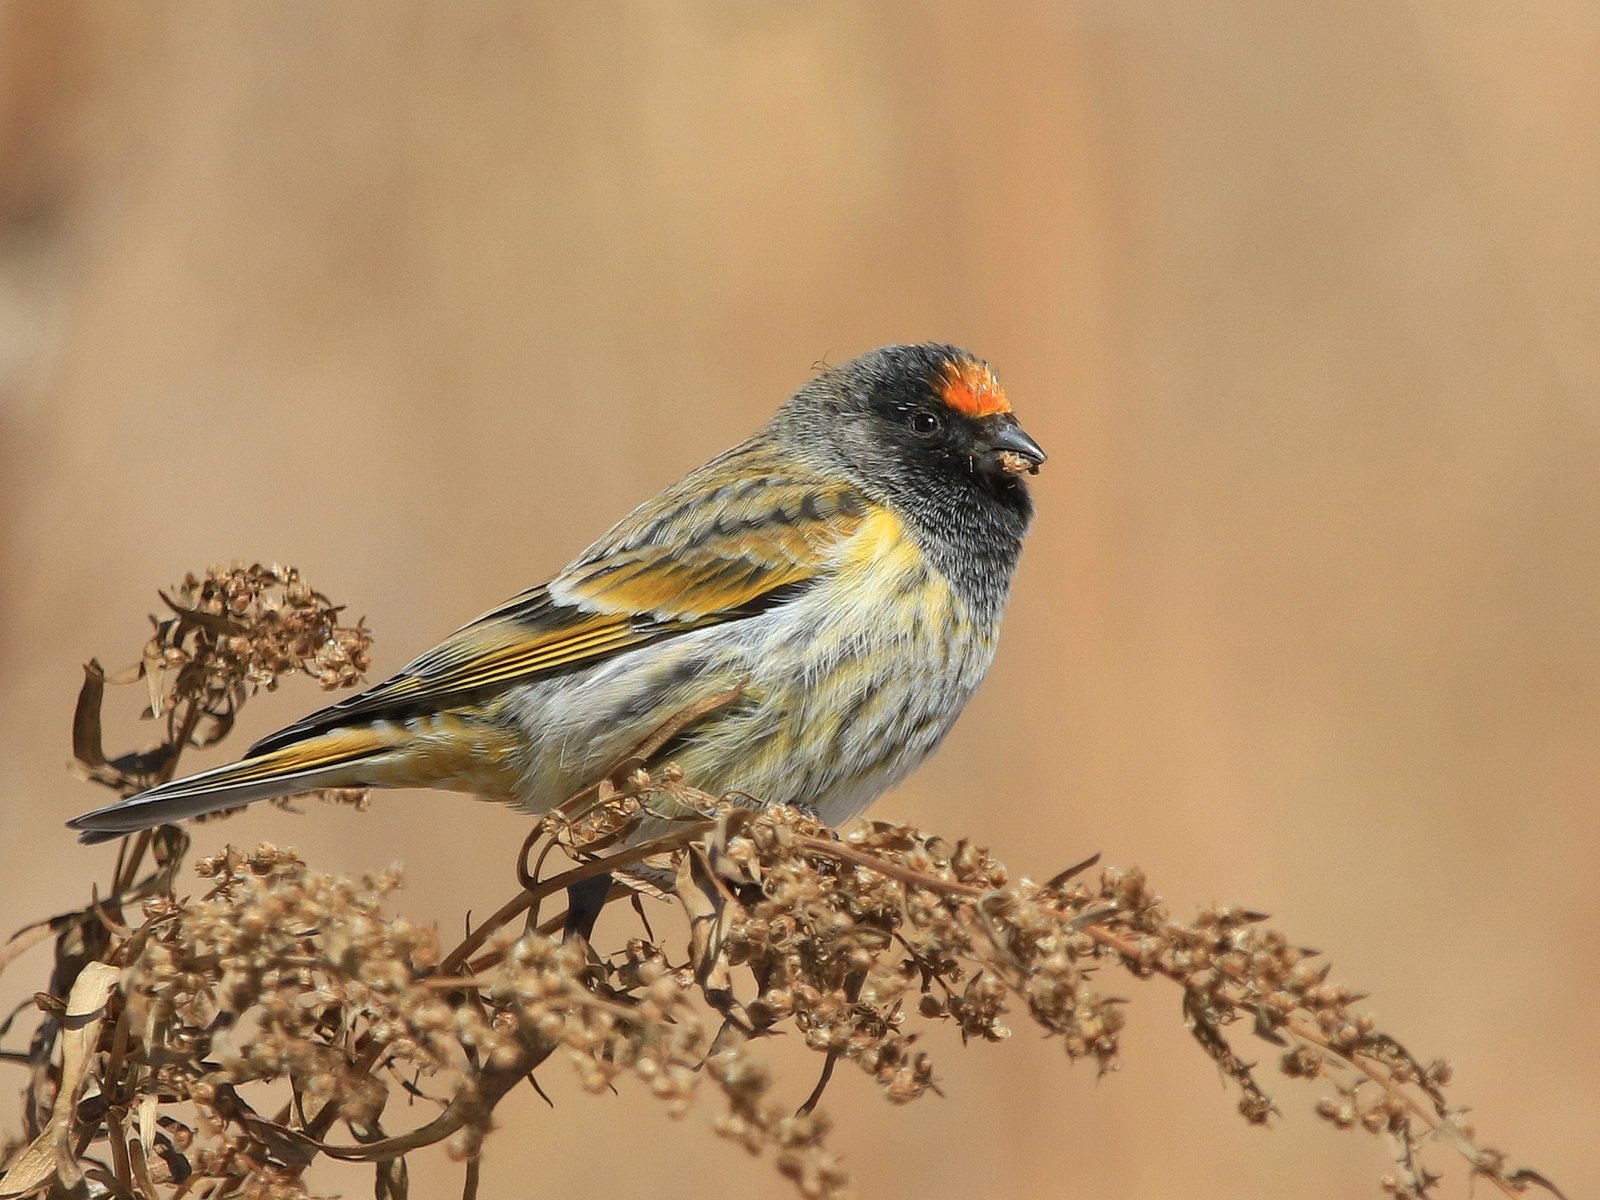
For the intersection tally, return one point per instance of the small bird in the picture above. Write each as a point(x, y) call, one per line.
point(844, 571)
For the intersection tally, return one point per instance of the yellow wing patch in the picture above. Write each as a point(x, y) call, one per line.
point(717, 556)
point(695, 587)
point(493, 653)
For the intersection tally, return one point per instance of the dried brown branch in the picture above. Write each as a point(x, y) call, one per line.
point(182, 1010)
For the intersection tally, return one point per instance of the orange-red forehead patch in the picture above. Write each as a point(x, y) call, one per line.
point(971, 389)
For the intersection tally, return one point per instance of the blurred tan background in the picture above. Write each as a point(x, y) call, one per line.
point(1302, 299)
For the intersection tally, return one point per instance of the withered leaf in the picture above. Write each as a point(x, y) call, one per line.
point(49, 1158)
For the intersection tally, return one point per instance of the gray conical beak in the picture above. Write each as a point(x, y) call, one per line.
point(1007, 437)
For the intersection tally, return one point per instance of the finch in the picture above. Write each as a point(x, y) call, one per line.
point(844, 570)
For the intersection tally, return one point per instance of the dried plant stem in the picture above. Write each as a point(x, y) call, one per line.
point(530, 897)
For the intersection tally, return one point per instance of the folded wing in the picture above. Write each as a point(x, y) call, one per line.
point(702, 554)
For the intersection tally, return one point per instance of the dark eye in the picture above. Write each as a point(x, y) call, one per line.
point(925, 423)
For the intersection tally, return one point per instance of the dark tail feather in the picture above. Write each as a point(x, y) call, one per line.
point(340, 758)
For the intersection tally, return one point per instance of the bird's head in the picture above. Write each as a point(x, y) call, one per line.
point(925, 426)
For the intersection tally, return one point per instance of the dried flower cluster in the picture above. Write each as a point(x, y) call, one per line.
point(246, 627)
point(235, 631)
point(171, 1021)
